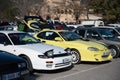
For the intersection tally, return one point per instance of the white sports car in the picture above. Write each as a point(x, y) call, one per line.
point(39, 56)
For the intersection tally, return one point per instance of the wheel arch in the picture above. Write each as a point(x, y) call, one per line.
point(28, 59)
point(76, 50)
point(117, 47)
point(109, 46)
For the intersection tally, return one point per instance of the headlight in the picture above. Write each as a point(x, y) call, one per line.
point(93, 49)
point(68, 50)
point(22, 65)
point(47, 54)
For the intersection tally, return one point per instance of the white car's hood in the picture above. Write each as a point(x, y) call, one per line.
point(41, 48)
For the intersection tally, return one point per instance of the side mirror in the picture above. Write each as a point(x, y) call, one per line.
point(5, 44)
point(58, 39)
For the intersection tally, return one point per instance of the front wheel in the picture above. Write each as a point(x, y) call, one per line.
point(29, 64)
point(114, 51)
point(76, 59)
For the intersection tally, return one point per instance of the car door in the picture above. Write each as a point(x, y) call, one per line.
point(92, 34)
point(48, 37)
point(5, 44)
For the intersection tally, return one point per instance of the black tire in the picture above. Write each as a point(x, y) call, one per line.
point(76, 56)
point(115, 52)
point(29, 64)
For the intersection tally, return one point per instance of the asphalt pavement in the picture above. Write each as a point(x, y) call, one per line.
point(83, 71)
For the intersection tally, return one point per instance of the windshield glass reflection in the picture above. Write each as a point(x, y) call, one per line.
point(22, 38)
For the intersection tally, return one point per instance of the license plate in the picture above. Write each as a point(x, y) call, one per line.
point(65, 60)
point(11, 76)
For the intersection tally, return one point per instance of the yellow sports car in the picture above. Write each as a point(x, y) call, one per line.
point(33, 24)
point(81, 50)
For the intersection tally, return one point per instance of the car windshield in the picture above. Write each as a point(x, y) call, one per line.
point(35, 25)
point(106, 33)
point(22, 38)
point(38, 25)
point(69, 36)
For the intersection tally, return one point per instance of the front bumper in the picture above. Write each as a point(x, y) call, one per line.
point(14, 75)
point(53, 63)
point(100, 56)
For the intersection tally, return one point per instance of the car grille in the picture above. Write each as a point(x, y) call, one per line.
point(62, 64)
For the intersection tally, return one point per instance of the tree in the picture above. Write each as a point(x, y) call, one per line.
point(75, 7)
point(110, 9)
point(78, 7)
point(25, 6)
point(7, 10)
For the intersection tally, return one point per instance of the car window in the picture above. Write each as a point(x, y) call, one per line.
point(22, 38)
point(38, 25)
point(4, 39)
point(42, 35)
point(92, 34)
point(112, 31)
point(49, 35)
point(7, 27)
point(81, 32)
point(69, 36)
point(35, 25)
point(105, 33)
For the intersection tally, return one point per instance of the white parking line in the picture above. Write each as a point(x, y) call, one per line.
point(59, 78)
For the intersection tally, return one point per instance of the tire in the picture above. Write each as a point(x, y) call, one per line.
point(115, 52)
point(76, 56)
point(29, 64)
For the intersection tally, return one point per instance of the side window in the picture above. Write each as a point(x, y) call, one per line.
point(4, 39)
point(93, 35)
point(48, 35)
point(114, 32)
point(51, 35)
point(42, 35)
point(81, 32)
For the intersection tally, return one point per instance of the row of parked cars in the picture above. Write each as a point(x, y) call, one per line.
point(50, 49)
point(40, 56)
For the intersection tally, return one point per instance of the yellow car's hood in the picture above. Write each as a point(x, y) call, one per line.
point(83, 43)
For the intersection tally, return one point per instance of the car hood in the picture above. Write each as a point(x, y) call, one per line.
point(89, 43)
point(7, 58)
point(41, 48)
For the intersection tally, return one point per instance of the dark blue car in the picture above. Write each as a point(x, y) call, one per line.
point(12, 67)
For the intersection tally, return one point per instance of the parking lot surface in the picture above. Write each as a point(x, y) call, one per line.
point(83, 71)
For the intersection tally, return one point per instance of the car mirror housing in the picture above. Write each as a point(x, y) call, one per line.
point(58, 39)
point(6, 43)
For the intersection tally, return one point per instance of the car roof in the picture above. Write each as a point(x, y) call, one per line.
point(105, 27)
point(6, 32)
point(54, 30)
point(102, 27)
point(84, 28)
